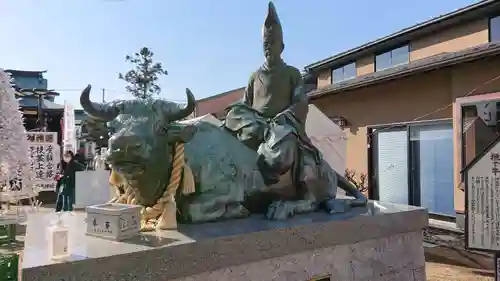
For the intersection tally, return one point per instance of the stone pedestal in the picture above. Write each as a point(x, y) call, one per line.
point(380, 242)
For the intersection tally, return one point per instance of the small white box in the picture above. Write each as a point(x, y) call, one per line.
point(113, 221)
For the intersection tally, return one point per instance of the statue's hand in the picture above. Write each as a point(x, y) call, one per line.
point(280, 210)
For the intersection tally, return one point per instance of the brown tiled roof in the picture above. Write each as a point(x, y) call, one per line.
point(419, 66)
point(481, 9)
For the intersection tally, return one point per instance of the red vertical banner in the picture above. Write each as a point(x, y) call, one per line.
point(62, 135)
point(62, 126)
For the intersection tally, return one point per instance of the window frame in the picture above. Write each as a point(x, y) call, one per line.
point(407, 44)
point(332, 70)
point(489, 27)
point(414, 195)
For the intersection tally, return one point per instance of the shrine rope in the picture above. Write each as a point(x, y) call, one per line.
point(157, 216)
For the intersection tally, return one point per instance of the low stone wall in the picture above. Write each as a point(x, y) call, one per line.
point(379, 242)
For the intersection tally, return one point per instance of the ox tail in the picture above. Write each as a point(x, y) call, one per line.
point(351, 190)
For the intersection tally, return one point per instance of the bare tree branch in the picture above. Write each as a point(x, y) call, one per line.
point(360, 182)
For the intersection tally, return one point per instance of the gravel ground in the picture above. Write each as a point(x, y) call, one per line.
point(445, 272)
point(451, 261)
point(440, 236)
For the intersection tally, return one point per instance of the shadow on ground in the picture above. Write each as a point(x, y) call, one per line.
point(459, 257)
point(483, 273)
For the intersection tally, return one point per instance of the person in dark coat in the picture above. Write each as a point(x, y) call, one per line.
point(66, 182)
point(80, 155)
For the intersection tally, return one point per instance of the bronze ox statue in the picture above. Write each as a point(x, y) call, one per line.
point(194, 172)
point(260, 160)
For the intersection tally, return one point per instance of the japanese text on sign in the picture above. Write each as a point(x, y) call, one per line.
point(483, 201)
point(44, 154)
point(69, 130)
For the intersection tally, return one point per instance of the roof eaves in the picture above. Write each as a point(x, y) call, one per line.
point(400, 33)
point(221, 94)
point(25, 71)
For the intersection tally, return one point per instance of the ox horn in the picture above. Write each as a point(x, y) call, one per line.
point(187, 110)
point(103, 112)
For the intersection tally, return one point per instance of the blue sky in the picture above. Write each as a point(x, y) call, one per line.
point(209, 46)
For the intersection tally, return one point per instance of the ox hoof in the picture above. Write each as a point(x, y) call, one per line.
point(279, 211)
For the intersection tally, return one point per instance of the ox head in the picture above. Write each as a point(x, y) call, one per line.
point(142, 135)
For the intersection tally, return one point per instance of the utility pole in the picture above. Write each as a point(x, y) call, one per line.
point(103, 94)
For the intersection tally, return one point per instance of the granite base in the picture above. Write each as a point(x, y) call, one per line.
point(395, 258)
point(380, 242)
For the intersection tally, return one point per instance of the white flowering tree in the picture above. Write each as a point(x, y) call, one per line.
point(15, 163)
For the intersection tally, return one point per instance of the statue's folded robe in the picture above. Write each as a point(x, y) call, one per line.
point(246, 122)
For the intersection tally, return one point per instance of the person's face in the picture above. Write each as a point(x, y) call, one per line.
point(272, 49)
point(66, 158)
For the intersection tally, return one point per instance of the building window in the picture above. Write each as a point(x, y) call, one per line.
point(495, 29)
point(414, 166)
point(343, 73)
point(392, 58)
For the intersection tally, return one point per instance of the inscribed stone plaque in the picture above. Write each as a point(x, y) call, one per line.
point(483, 200)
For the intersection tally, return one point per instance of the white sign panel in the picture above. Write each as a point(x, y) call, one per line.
point(69, 133)
point(92, 188)
point(78, 131)
point(78, 134)
point(483, 201)
point(90, 150)
point(45, 157)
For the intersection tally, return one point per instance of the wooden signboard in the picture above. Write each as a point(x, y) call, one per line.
point(45, 157)
point(482, 203)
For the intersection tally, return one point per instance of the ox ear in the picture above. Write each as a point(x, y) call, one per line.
point(180, 133)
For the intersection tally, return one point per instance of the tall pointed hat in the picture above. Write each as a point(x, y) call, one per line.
point(272, 25)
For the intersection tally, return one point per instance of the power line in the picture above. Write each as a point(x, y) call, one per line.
point(67, 90)
point(104, 90)
point(377, 131)
point(128, 94)
point(439, 109)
